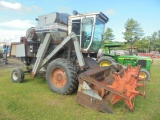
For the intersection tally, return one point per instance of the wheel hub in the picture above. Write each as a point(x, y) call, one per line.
point(142, 75)
point(15, 76)
point(105, 63)
point(58, 77)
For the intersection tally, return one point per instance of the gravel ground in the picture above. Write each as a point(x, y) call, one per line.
point(11, 63)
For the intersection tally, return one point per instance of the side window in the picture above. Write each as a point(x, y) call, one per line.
point(76, 27)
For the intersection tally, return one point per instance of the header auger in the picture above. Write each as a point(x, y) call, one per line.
point(63, 47)
point(101, 86)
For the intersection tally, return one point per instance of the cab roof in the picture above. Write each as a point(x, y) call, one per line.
point(99, 14)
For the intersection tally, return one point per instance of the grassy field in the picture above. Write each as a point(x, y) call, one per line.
point(33, 100)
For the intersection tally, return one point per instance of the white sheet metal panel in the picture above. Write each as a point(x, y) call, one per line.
point(20, 50)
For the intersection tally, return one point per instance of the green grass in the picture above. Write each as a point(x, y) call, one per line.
point(33, 100)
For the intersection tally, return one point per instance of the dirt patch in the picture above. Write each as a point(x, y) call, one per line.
point(12, 63)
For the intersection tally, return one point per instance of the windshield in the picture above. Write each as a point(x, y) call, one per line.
point(98, 35)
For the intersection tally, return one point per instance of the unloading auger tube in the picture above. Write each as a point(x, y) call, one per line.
point(98, 88)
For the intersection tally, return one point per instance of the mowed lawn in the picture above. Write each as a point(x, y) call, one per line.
point(33, 100)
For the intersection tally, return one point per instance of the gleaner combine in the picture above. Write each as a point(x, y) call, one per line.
point(63, 47)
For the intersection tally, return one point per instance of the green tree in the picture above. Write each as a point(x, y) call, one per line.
point(108, 35)
point(158, 33)
point(155, 41)
point(133, 32)
point(142, 44)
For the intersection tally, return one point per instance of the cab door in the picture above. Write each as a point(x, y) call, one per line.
point(76, 28)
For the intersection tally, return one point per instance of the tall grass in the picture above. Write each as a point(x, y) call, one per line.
point(33, 100)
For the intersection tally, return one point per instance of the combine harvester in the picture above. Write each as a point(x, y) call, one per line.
point(62, 47)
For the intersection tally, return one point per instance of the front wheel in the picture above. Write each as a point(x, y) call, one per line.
point(106, 61)
point(61, 76)
point(17, 75)
point(144, 74)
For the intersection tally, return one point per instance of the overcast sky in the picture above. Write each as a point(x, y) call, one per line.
point(16, 16)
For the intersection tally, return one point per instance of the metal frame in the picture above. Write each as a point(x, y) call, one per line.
point(41, 61)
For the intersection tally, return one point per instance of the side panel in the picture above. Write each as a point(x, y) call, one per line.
point(148, 65)
point(20, 50)
point(13, 49)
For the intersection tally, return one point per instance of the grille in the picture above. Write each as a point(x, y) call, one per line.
point(142, 63)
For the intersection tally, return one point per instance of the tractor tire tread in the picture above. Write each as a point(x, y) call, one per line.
point(20, 75)
point(106, 58)
point(68, 67)
point(146, 72)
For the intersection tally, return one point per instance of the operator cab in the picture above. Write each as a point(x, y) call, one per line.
point(89, 29)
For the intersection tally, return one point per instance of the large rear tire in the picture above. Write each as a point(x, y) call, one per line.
point(106, 61)
point(144, 74)
point(17, 75)
point(61, 76)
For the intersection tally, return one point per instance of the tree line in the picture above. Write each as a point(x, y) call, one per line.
point(134, 37)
